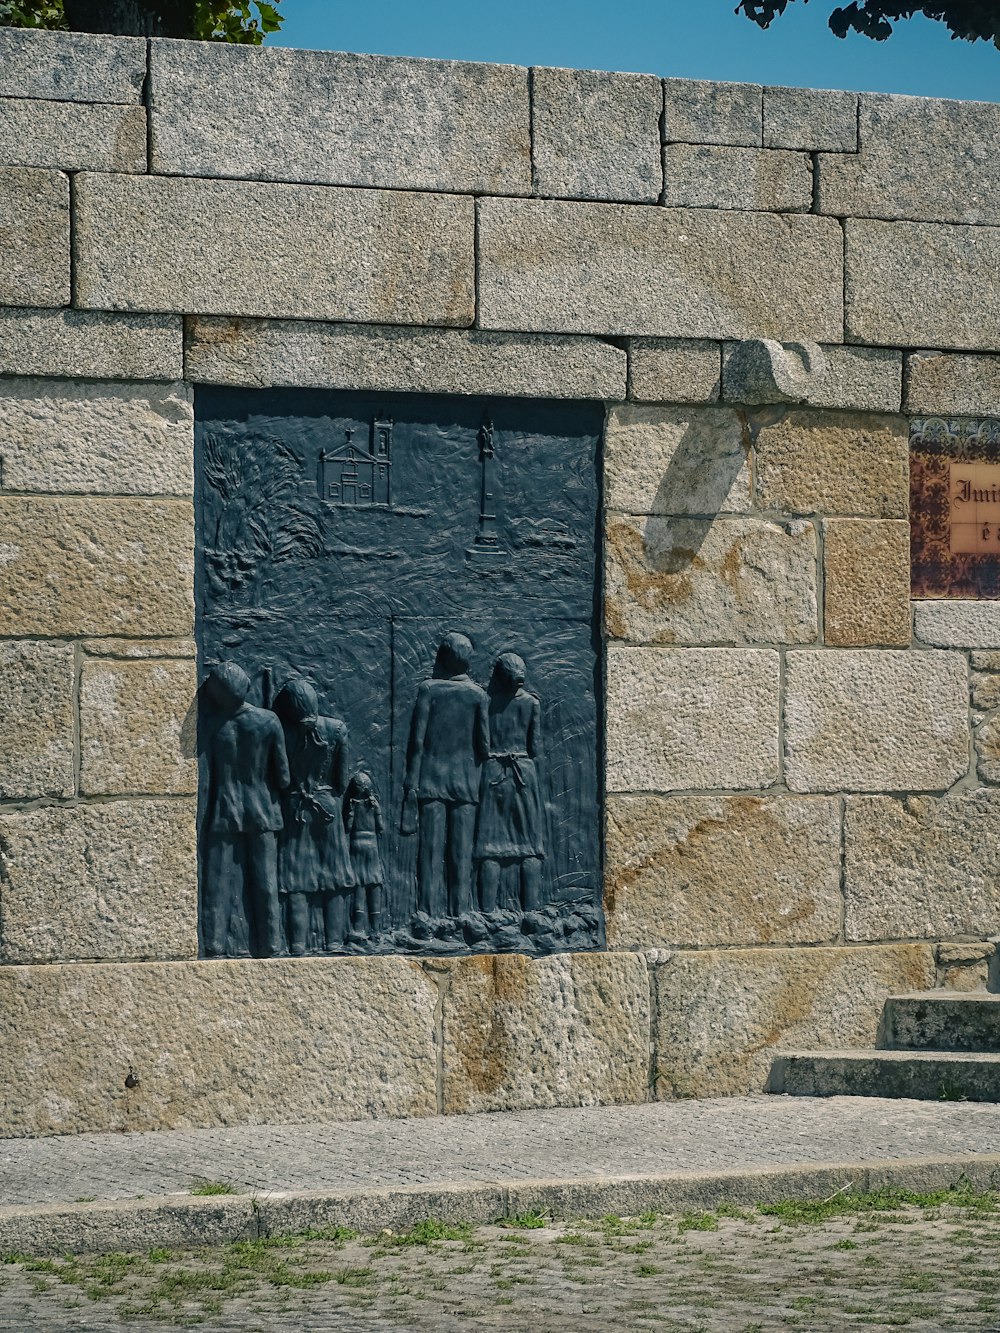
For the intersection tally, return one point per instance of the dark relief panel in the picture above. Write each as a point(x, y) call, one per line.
point(955, 507)
point(397, 628)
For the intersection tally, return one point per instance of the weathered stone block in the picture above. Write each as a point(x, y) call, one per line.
point(811, 118)
point(721, 870)
point(987, 735)
point(87, 438)
point(71, 137)
point(407, 360)
point(875, 721)
point(916, 284)
point(965, 966)
point(666, 460)
point(71, 66)
point(138, 727)
point(702, 111)
point(679, 370)
point(922, 867)
point(986, 661)
point(34, 237)
point(695, 581)
point(140, 649)
point(37, 684)
point(597, 135)
point(937, 382)
point(866, 585)
point(560, 267)
point(984, 689)
point(859, 379)
point(274, 250)
point(342, 119)
point(93, 566)
point(86, 345)
point(721, 1017)
point(326, 1039)
point(568, 1030)
point(691, 718)
point(705, 176)
point(111, 881)
point(957, 624)
point(920, 158)
point(834, 463)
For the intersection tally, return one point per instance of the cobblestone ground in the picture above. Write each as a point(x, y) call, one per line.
point(875, 1262)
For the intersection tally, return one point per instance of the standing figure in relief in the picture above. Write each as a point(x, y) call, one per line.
point(315, 859)
point(510, 825)
point(449, 741)
point(247, 768)
point(365, 825)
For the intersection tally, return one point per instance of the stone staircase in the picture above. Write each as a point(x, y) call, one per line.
point(935, 1046)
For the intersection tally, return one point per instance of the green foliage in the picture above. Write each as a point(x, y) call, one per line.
point(246, 24)
point(971, 20)
point(204, 1189)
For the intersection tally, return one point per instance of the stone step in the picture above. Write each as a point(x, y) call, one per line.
point(925, 1075)
point(941, 1021)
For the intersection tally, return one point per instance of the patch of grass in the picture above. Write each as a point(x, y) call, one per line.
point(572, 1238)
point(846, 1244)
point(355, 1277)
point(698, 1222)
point(428, 1232)
point(848, 1202)
point(531, 1220)
point(206, 1188)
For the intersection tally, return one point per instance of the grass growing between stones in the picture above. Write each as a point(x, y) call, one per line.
point(888, 1259)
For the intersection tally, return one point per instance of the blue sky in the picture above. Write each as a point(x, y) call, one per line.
point(701, 39)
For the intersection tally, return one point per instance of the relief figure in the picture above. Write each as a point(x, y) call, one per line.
point(247, 769)
point(449, 741)
point(510, 825)
point(365, 825)
point(315, 857)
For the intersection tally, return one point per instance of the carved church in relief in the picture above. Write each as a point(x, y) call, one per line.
point(357, 473)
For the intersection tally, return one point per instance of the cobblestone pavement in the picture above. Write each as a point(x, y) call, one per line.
point(577, 1143)
point(843, 1265)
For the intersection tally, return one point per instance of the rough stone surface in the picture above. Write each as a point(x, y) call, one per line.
point(597, 135)
point(695, 581)
point(860, 379)
point(111, 881)
point(138, 727)
point(568, 1030)
point(85, 345)
point(858, 720)
point(984, 689)
point(333, 118)
point(37, 682)
point(722, 1016)
point(680, 370)
point(215, 1043)
point(988, 749)
point(68, 437)
point(866, 583)
point(71, 137)
point(667, 460)
point(701, 111)
point(273, 250)
point(957, 624)
point(936, 1021)
point(937, 382)
point(964, 976)
point(138, 649)
point(721, 870)
point(691, 718)
point(555, 266)
point(834, 463)
point(706, 176)
point(921, 158)
point(96, 566)
point(986, 661)
point(966, 951)
point(811, 118)
point(71, 66)
point(357, 356)
point(916, 284)
point(921, 867)
point(34, 237)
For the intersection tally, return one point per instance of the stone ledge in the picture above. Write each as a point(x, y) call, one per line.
point(328, 117)
point(862, 379)
point(71, 66)
point(810, 118)
point(405, 360)
point(325, 1039)
point(80, 344)
point(280, 251)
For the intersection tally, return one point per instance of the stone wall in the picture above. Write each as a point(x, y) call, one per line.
point(803, 784)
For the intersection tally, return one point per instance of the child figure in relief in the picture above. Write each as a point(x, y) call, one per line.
point(509, 829)
point(365, 825)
